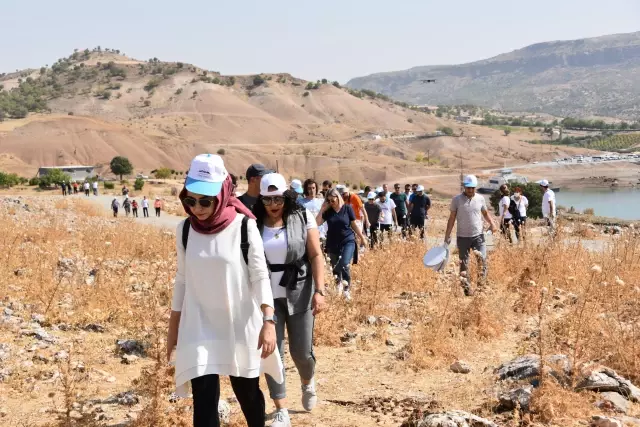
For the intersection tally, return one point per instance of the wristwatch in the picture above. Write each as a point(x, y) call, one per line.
point(272, 319)
point(319, 291)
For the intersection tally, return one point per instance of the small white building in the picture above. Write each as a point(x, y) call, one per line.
point(77, 173)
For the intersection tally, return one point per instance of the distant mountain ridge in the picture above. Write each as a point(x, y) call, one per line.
point(585, 77)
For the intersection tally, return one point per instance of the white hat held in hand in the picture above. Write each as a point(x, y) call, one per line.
point(273, 180)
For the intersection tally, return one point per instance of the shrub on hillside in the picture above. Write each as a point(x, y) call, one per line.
point(9, 179)
point(336, 84)
point(446, 130)
point(163, 173)
point(138, 184)
point(258, 80)
point(109, 185)
point(221, 152)
point(152, 84)
point(309, 86)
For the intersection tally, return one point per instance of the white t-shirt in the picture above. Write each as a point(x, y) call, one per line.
point(275, 250)
point(386, 216)
point(505, 201)
point(86, 186)
point(522, 204)
point(95, 184)
point(314, 207)
point(145, 203)
point(548, 196)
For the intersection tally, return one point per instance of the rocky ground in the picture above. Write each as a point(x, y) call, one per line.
point(549, 340)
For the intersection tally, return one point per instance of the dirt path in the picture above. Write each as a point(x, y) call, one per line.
point(164, 221)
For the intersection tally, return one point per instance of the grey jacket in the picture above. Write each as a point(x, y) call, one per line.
point(300, 292)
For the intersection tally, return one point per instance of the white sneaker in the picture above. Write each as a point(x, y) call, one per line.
point(347, 295)
point(281, 419)
point(339, 289)
point(309, 397)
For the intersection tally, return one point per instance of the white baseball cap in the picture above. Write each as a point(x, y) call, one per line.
point(470, 181)
point(206, 175)
point(296, 185)
point(543, 183)
point(420, 188)
point(341, 188)
point(273, 179)
point(379, 190)
point(371, 195)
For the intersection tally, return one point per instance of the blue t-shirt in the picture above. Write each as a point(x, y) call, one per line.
point(339, 230)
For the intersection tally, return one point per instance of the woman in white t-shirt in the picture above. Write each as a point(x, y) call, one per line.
point(522, 203)
point(292, 248)
point(505, 215)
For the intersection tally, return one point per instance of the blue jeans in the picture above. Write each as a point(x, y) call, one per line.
point(341, 263)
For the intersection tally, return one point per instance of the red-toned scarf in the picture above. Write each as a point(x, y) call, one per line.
point(225, 212)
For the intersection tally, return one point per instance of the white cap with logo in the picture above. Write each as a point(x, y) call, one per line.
point(273, 180)
point(543, 183)
point(371, 195)
point(470, 181)
point(206, 175)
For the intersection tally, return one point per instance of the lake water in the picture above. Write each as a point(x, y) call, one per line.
point(622, 203)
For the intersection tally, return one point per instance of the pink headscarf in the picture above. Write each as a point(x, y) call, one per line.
point(225, 212)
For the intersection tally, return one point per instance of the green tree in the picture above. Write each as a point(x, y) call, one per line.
point(163, 173)
point(324, 81)
point(54, 176)
point(121, 166)
point(336, 84)
point(507, 131)
point(138, 184)
point(258, 80)
point(531, 191)
point(446, 130)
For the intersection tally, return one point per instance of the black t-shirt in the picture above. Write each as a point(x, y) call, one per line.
point(339, 230)
point(401, 203)
point(373, 212)
point(421, 205)
point(248, 200)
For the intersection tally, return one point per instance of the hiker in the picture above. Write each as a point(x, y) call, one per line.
point(86, 187)
point(221, 319)
point(407, 191)
point(373, 213)
point(505, 214)
point(522, 203)
point(401, 201)
point(157, 204)
point(356, 205)
point(342, 229)
point(126, 204)
point(295, 261)
point(326, 186)
point(125, 190)
point(313, 204)
point(255, 172)
point(296, 186)
point(548, 205)
point(468, 209)
point(418, 210)
point(75, 187)
point(388, 216)
point(134, 208)
point(115, 205)
point(145, 207)
point(64, 188)
point(95, 187)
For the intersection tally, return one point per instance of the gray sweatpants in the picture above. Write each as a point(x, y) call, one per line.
point(465, 245)
point(300, 335)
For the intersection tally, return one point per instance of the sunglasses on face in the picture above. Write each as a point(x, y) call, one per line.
point(276, 200)
point(204, 202)
point(333, 199)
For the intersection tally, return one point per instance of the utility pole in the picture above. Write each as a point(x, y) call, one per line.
point(277, 167)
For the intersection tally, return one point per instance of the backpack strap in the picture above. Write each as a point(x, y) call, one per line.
point(304, 215)
point(186, 226)
point(244, 239)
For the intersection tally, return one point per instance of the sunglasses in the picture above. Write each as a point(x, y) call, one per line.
point(276, 200)
point(332, 198)
point(204, 202)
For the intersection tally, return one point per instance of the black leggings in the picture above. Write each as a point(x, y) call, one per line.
point(206, 395)
point(145, 212)
point(157, 211)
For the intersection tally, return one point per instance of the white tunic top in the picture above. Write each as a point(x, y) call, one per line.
point(220, 298)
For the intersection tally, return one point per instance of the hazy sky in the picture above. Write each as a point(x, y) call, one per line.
point(333, 39)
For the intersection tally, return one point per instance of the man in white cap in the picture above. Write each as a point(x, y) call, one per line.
point(468, 209)
point(548, 204)
point(418, 209)
point(296, 185)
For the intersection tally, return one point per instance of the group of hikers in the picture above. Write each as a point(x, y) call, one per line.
point(251, 266)
point(69, 188)
point(130, 206)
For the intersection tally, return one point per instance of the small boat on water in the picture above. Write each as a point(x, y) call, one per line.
point(506, 177)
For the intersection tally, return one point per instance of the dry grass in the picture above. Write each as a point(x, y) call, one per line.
point(68, 261)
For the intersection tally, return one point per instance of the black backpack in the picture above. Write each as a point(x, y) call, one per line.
point(513, 209)
point(244, 237)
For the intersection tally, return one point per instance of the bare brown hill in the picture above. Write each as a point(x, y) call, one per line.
point(159, 114)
